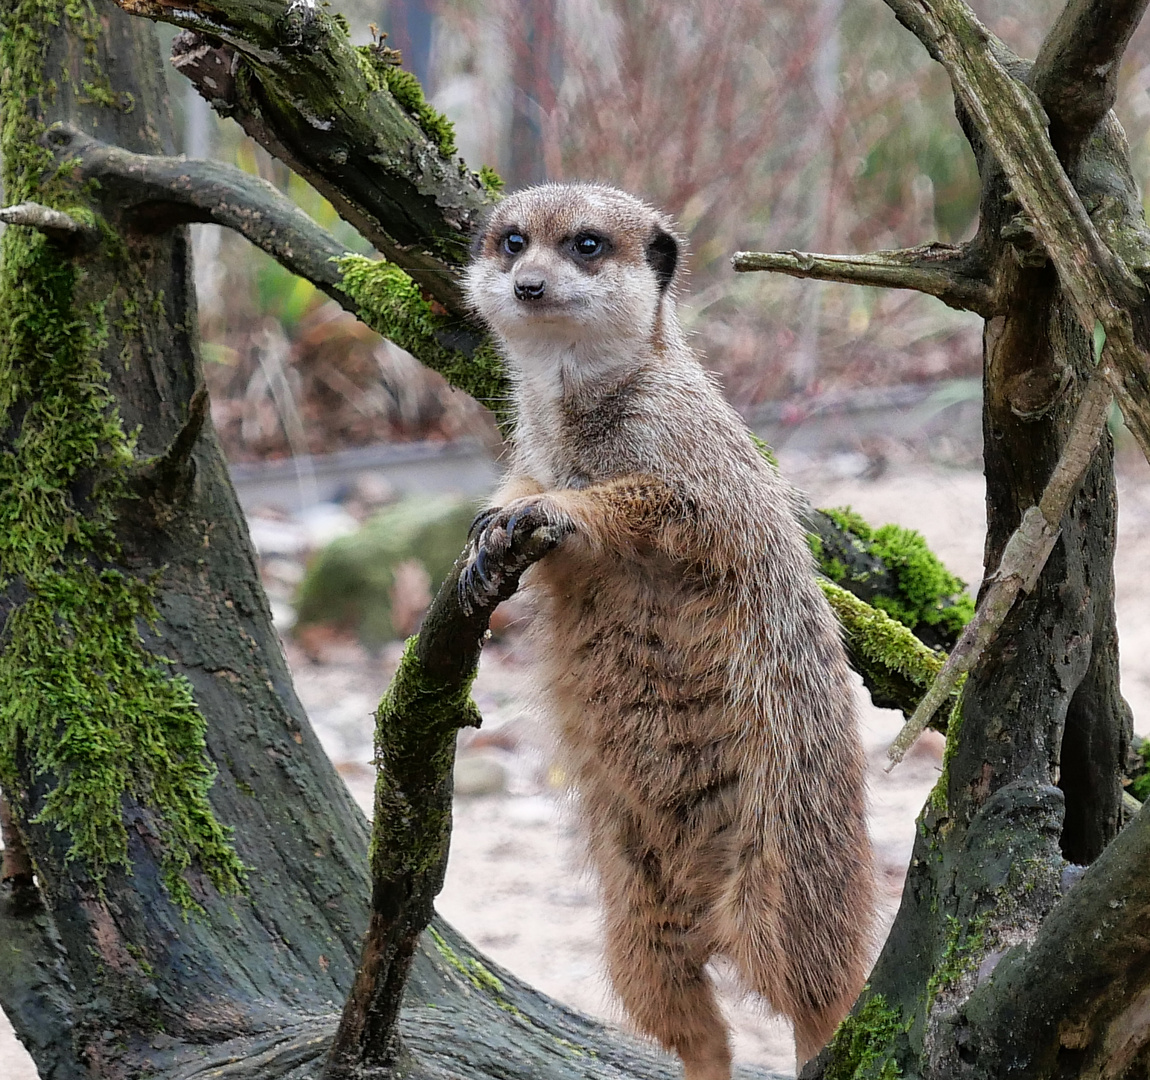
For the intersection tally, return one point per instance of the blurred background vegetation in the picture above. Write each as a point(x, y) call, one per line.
point(808, 124)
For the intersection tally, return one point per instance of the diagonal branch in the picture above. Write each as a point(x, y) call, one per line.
point(1076, 73)
point(1080, 992)
point(155, 193)
point(952, 273)
point(427, 703)
point(1023, 558)
point(1009, 119)
point(347, 119)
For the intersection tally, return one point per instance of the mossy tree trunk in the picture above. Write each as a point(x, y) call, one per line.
point(133, 942)
point(1002, 962)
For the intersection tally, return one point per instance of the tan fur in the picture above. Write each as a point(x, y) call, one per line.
point(688, 658)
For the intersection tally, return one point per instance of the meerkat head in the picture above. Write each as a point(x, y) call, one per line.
point(580, 267)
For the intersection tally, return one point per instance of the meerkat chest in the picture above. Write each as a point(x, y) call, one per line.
point(566, 444)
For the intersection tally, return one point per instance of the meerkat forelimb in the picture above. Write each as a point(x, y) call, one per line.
point(686, 655)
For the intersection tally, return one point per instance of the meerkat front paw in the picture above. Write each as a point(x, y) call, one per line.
point(504, 541)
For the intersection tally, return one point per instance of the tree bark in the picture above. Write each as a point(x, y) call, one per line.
point(1031, 778)
point(121, 966)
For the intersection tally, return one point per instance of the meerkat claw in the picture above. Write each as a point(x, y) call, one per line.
point(480, 522)
point(479, 570)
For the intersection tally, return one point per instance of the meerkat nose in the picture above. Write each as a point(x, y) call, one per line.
point(529, 290)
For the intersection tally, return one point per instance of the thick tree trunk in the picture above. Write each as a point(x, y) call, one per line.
point(107, 971)
point(1032, 772)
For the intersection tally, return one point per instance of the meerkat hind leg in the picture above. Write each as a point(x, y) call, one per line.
point(656, 965)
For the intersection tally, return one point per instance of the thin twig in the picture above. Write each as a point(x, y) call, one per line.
point(1023, 558)
point(940, 270)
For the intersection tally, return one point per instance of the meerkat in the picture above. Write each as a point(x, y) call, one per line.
point(686, 654)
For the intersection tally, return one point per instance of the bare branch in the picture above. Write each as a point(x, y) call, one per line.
point(159, 192)
point(45, 219)
point(1076, 73)
point(943, 270)
point(1022, 560)
point(156, 193)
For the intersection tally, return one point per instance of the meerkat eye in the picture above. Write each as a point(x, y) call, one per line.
point(513, 243)
point(588, 245)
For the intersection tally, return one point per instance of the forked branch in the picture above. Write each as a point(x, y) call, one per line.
point(1010, 121)
point(155, 193)
point(290, 76)
point(1076, 73)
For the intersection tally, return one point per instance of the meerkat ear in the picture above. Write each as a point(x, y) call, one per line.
point(663, 257)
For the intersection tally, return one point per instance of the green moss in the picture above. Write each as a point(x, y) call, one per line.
point(491, 180)
point(926, 594)
point(863, 1045)
point(1140, 785)
point(938, 794)
point(392, 305)
point(380, 66)
point(85, 709)
point(878, 639)
point(480, 978)
point(847, 520)
point(415, 728)
point(764, 449)
point(959, 955)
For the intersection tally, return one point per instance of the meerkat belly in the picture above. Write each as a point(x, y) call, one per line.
point(634, 670)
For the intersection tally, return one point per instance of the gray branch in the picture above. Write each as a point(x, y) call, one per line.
point(43, 218)
point(1081, 983)
point(1100, 285)
point(1023, 559)
point(949, 272)
point(1076, 73)
point(157, 193)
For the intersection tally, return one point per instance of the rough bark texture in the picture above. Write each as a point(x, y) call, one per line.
point(348, 120)
point(102, 979)
point(130, 966)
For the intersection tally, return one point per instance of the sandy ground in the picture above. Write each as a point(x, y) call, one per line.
point(517, 884)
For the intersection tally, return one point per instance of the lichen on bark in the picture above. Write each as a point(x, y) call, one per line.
point(108, 720)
